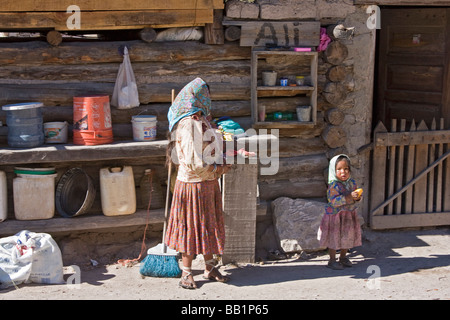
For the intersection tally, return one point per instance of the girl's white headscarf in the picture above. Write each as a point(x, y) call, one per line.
point(332, 169)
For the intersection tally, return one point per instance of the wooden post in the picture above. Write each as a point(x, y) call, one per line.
point(214, 31)
point(420, 163)
point(378, 174)
point(239, 205)
point(409, 172)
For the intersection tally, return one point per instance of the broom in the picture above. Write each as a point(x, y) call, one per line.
point(160, 260)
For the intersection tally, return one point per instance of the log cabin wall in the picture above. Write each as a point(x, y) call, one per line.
point(37, 71)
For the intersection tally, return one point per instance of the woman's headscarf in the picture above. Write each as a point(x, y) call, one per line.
point(194, 97)
point(332, 169)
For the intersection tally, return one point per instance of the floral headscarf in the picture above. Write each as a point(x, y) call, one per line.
point(332, 170)
point(194, 97)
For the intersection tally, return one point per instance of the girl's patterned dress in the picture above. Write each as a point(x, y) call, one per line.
point(340, 227)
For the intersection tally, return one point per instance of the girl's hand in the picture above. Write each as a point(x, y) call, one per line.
point(356, 195)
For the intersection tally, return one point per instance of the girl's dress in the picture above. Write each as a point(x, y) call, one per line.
point(340, 227)
point(196, 224)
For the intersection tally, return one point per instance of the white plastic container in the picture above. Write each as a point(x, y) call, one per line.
point(3, 197)
point(56, 132)
point(34, 196)
point(144, 127)
point(117, 191)
point(304, 113)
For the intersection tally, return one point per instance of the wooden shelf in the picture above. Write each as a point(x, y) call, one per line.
point(70, 152)
point(268, 60)
point(278, 91)
point(81, 223)
point(281, 124)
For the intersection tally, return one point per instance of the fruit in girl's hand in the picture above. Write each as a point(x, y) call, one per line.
point(359, 191)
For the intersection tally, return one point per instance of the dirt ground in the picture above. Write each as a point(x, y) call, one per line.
point(412, 264)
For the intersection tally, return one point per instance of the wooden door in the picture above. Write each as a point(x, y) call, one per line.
point(413, 60)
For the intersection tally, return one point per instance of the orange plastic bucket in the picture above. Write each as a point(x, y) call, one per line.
point(92, 122)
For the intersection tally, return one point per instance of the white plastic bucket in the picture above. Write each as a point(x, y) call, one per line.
point(3, 197)
point(304, 113)
point(144, 127)
point(117, 191)
point(56, 132)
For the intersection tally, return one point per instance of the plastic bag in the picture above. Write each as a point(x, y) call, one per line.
point(125, 94)
point(179, 34)
point(30, 257)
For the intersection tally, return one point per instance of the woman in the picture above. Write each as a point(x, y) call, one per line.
point(196, 223)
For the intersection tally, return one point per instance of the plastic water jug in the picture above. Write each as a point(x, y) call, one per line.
point(34, 196)
point(3, 197)
point(117, 191)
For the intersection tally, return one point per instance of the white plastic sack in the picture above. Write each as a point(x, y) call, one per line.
point(30, 257)
point(179, 34)
point(125, 94)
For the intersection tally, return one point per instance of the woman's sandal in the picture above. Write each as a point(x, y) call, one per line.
point(214, 274)
point(187, 281)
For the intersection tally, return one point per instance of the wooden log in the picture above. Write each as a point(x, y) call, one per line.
point(334, 136)
point(308, 166)
point(54, 38)
point(289, 147)
point(79, 53)
point(335, 93)
point(57, 94)
point(232, 33)
point(147, 35)
point(336, 53)
point(339, 73)
point(300, 188)
point(145, 72)
point(334, 116)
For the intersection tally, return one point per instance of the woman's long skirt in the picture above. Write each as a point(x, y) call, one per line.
point(196, 224)
point(340, 231)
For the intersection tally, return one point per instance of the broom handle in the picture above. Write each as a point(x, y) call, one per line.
point(166, 209)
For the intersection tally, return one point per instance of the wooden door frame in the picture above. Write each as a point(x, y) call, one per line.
point(380, 74)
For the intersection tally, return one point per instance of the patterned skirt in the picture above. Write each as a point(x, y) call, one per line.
point(340, 231)
point(196, 224)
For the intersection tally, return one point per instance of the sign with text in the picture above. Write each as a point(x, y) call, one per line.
point(280, 33)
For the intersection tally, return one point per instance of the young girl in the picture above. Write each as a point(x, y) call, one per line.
point(340, 227)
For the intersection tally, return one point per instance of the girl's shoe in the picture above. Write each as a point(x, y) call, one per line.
point(345, 262)
point(335, 265)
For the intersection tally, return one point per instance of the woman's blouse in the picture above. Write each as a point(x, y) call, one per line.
point(339, 197)
point(193, 153)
